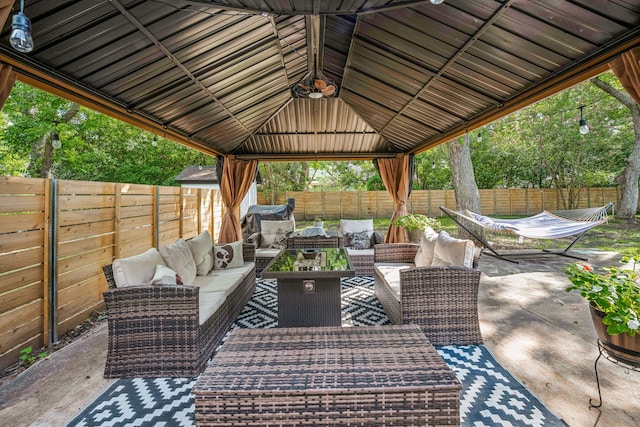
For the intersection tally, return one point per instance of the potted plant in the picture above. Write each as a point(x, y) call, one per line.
point(318, 222)
point(613, 294)
point(415, 224)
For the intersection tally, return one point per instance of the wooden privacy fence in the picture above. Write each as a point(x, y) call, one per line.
point(378, 204)
point(55, 236)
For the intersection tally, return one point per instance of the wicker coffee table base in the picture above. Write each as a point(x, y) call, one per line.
point(333, 376)
point(316, 306)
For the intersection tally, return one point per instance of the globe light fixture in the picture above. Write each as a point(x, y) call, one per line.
point(437, 1)
point(584, 128)
point(20, 38)
point(55, 140)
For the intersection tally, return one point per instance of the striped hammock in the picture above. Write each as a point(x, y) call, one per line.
point(546, 224)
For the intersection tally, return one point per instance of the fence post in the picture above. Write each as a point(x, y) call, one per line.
point(156, 216)
point(52, 271)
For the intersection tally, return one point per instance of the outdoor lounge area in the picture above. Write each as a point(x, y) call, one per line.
point(538, 332)
point(249, 83)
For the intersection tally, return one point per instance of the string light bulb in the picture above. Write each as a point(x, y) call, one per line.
point(584, 127)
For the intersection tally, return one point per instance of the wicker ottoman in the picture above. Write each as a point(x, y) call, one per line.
point(328, 376)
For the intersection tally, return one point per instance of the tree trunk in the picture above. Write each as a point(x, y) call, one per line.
point(47, 158)
point(464, 181)
point(628, 178)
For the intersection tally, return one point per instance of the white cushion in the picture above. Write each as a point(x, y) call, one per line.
point(390, 272)
point(225, 281)
point(208, 304)
point(228, 255)
point(424, 256)
point(201, 248)
point(178, 257)
point(136, 270)
point(164, 276)
point(272, 230)
point(450, 251)
point(356, 226)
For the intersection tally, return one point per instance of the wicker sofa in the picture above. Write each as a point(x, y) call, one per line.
point(169, 329)
point(443, 300)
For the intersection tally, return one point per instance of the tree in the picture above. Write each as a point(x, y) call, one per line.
point(628, 178)
point(93, 146)
point(279, 177)
point(462, 176)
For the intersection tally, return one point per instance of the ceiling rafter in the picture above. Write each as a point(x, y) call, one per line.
point(173, 59)
point(484, 27)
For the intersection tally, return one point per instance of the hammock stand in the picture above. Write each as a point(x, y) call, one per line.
point(545, 225)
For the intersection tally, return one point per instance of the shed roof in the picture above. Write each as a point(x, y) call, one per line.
point(217, 75)
point(198, 175)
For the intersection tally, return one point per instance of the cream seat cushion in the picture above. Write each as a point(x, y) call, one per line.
point(136, 270)
point(390, 273)
point(177, 256)
point(208, 304)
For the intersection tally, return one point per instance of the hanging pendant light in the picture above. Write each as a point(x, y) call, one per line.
point(584, 128)
point(20, 38)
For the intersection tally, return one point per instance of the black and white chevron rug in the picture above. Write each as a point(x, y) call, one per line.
point(491, 396)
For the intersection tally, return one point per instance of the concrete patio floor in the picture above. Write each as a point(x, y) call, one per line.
point(542, 334)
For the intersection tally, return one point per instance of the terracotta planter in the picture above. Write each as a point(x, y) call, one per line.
point(622, 347)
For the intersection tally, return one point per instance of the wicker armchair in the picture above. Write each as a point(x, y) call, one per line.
point(442, 300)
point(154, 330)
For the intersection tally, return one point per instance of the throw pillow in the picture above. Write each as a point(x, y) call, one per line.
point(201, 248)
point(178, 257)
point(424, 256)
point(450, 251)
point(356, 226)
point(164, 276)
point(136, 270)
point(360, 240)
point(228, 255)
point(280, 239)
point(272, 229)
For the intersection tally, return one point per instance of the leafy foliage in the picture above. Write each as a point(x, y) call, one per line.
point(615, 291)
point(413, 221)
point(94, 147)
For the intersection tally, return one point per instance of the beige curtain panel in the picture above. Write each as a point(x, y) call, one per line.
point(237, 176)
point(395, 176)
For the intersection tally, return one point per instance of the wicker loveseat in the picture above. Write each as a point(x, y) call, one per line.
point(172, 330)
point(443, 300)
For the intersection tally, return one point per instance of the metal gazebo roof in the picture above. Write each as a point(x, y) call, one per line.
point(218, 75)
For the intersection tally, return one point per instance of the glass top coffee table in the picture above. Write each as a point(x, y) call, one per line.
point(309, 285)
